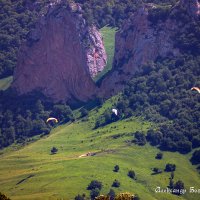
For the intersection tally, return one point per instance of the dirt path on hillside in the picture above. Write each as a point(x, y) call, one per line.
point(87, 154)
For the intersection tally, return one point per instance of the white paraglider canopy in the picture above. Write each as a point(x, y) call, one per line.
point(115, 111)
point(52, 119)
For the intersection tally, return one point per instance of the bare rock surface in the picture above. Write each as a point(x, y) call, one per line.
point(61, 56)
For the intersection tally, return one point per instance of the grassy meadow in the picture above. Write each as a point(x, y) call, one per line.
point(32, 172)
point(108, 34)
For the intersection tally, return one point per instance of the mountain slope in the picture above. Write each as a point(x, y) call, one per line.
point(33, 173)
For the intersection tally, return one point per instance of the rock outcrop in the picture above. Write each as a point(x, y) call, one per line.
point(140, 41)
point(61, 56)
point(62, 53)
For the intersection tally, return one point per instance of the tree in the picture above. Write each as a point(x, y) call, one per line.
point(171, 184)
point(95, 184)
point(38, 126)
point(195, 157)
point(54, 150)
point(179, 186)
point(20, 126)
point(154, 137)
point(62, 112)
point(136, 197)
point(156, 170)
point(1, 140)
point(8, 116)
point(100, 101)
point(140, 138)
point(107, 116)
point(170, 167)
point(184, 146)
point(83, 112)
point(196, 141)
point(10, 134)
point(172, 175)
point(159, 155)
point(3, 197)
point(98, 123)
point(116, 168)
point(80, 197)
point(116, 183)
point(39, 106)
point(94, 193)
point(131, 174)
point(111, 194)
point(168, 144)
point(29, 127)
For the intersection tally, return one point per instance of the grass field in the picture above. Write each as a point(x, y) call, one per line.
point(33, 173)
point(5, 82)
point(108, 34)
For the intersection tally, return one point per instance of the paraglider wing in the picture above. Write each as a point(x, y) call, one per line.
point(196, 88)
point(52, 119)
point(115, 111)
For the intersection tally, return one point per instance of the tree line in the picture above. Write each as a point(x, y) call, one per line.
point(24, 117)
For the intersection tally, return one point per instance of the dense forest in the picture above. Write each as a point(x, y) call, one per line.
point(161, 92)
point(17, 18)
point(113, 12)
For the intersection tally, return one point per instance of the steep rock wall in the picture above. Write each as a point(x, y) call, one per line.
point(61, 56)
point(140, 41)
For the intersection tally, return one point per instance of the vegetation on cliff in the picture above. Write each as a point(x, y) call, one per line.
point(114, 12)
point(16, 20)
point(19, 17)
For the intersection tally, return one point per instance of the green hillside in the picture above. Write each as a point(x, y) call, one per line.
point(33, 173)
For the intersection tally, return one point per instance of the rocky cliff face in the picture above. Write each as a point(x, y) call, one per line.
point(62, 53)
point(61, 56)
point(141, 41)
